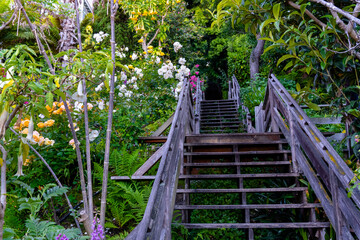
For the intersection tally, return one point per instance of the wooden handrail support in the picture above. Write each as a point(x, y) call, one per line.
point(234, 94)
point(313, 155)
point(198, 99)
point(156, 222)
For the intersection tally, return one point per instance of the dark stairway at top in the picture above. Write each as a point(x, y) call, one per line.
point(219, 116)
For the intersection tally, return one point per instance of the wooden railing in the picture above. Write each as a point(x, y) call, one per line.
point(234, 94)
point(156, 222)
point(198, 98)
point(313, 155)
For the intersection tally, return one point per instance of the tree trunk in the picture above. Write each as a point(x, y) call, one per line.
point(113, 9)
point(255, 57)
point(3, 191)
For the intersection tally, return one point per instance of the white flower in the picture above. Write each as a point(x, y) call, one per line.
point(137, 70)
point(126, 49)
point(93, 135)
point(2, 84)
point(168, 74)
point(99, 87)
point(135, 87)
point(101, 104)
point(123, 76)
point(177, 46)
point(158, 60)
point(182, 61)
point(65, 57)
point(41, 116)
point(134, 56)
point(78, 106)
point(79, 95)
point(99, 37)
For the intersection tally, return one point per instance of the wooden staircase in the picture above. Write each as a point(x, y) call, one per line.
point(257, 175)
point(253, 171)
point(219, 116)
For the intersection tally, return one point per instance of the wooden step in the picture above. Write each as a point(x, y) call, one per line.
point(217, 106)
point(219, 127)
point(233, 176)
point(218, 113)
point(224, 116)
point(265, 152)
point(236, 144)
point(217, 101)
point(220, 121)
point(230, 164)
point(255, 225)
point(244, 190)
point(249, 206)
point(219, 110)
point(205, 123)
point(219, 131)
point(233, 138)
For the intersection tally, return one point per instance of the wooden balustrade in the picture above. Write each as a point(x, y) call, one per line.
point(234, 94)
point(312, 155)
point(156, 223)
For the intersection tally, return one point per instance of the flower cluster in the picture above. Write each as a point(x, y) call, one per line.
point(99, 37)
point(34, 137)
point(61, 237)
point(357, 139)
point(182, 72)
point(98, 232)
point(166, 70)
point(177, 46)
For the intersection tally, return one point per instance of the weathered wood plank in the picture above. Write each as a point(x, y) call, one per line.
point(150, 162)
point(330, 120)
point(241, 190)
point(250, 206)
point(256, 225)
point(163, 127)
point(266, 152)
point(227, 164)
point(250, 175)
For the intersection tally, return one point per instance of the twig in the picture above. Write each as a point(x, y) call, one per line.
point(4, 25)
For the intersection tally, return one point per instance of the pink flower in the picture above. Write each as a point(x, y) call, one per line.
point(26, 102)
point(197, 65)
point(197, 73)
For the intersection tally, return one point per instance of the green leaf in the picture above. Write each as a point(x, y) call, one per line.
point(49, 99)
point(270, 47)
point(289, 64)
point(302, 9)
point(313, 106)
point(323, 65)
point(109, 67)
point(298, 88)
point(60, 94)
point(354, 112)
point(265, 23)
point(276, 11)
point(42, 110)
point(285, 57)
point(36, 87)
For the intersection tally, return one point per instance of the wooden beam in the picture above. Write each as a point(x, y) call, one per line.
point(150, 162)
point(163, 127)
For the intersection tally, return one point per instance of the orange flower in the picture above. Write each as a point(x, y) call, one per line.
point(41, 125)
point(25, 131)
point(49, 123)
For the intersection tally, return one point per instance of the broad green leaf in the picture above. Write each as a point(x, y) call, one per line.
point(7, 85)
point(60, 93)
point(265, 23)
point(313, 106)
point(298, 88)
point(285, 57)
point(323, 65)
point(49, 99)
point(354, 112)
point(270, 47)
point(276, 10)
point(36, 87)
point(289, 64)
point(303, 9)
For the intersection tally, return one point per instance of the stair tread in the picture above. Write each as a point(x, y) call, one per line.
point(242, 190)
point(251, 206)
point(226, 164)
point(237, 153)
point(250, 175)
point(241, 143)
point(256, 225)
point(219, 122)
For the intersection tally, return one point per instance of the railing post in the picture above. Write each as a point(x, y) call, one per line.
point(197, 108)
point(334, 185)
point(274, 126)
point(229, 91)
point(293, 143)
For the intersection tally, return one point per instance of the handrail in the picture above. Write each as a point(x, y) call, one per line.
point(198, 99)
point(156, 222)
point(234, 94)
point(312, 154)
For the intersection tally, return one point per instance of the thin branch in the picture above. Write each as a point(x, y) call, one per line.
point(4, 25)
point(3, 190)
point(332, 7)
point(12, 115)
point(52, 173)
point(309, 14)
